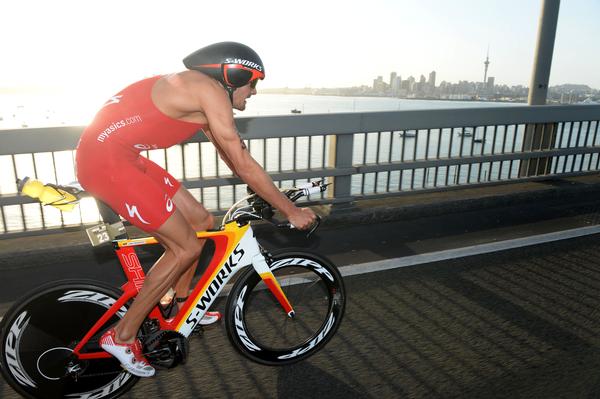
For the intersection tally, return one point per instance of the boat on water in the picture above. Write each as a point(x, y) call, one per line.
point(407, 133)
point(466, 132)
point(296, 111)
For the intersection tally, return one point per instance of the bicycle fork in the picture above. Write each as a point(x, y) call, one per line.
point(265, 273)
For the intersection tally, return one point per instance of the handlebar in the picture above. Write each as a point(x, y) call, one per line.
point(253, 207)
point(313, 227)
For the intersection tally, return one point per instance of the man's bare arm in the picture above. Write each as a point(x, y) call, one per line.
point(223, 156)
point(223, 133)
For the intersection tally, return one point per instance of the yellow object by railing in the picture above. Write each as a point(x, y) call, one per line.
point(48, 194)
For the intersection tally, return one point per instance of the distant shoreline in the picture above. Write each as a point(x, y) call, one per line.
point(366, 95)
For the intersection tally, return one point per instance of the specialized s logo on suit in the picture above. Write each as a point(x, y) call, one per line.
point(113, 100)
point(168, 182)
point(133, 212)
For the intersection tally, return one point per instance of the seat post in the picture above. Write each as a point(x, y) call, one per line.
point(110, 217)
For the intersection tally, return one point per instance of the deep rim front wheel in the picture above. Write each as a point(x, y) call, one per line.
point(260, 329)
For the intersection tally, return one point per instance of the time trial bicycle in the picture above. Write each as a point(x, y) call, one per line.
point(283, 307)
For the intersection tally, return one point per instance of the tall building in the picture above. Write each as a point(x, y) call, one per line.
point(392, 78)
point(490, 84)
point(396, 82)
point(410, 84)
point(379, 85)
point(431, 81)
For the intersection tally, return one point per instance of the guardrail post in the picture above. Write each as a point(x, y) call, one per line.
point(538, 137)
point(340, 156)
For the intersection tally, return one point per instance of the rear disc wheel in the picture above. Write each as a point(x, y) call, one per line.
point(38, 336)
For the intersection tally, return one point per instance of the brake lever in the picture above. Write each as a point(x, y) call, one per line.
point(315, 226)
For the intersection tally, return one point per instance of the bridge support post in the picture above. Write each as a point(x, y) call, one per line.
point(541, 136)
point(538, 137)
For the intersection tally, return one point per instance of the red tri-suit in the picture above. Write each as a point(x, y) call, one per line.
point(109, 163)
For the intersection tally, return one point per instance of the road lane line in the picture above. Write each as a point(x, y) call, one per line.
point(415, 260)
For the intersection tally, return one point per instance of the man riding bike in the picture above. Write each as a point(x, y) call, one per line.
point(160, 112)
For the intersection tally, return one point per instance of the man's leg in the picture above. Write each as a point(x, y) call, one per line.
point(199, 219)
point(182, 249)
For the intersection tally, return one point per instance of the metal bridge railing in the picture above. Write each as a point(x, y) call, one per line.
point(363, 154)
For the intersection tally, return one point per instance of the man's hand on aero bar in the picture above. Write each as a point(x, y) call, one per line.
point(302, 218)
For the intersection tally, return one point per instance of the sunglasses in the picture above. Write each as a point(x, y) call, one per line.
point(237, 75)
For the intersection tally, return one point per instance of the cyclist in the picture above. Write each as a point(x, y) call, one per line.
point(159, 112)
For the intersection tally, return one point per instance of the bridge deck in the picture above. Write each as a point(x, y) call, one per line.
point(516, 323)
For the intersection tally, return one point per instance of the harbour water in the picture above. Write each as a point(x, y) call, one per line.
point(273, 104)
point(17, 111)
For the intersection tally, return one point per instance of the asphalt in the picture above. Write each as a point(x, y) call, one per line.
point(518, 323)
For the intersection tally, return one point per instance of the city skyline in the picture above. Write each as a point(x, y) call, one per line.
point(426, 88)
point(94, 48)
point(487, 89)
point(396, 82)
point(488, 82)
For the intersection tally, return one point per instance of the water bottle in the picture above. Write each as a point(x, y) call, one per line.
point(47, 194)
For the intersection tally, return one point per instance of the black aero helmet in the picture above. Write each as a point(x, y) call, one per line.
point(233, 64)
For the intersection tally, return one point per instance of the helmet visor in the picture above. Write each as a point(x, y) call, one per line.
point(237, 75)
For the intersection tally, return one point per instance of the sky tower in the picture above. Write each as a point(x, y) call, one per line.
point(486, 63)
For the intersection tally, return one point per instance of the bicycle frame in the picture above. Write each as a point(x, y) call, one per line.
point(235, 247)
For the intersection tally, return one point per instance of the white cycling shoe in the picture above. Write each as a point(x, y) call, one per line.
point(210, 318)
point(130, 355)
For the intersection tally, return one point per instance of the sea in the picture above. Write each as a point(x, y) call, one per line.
point(24, 110)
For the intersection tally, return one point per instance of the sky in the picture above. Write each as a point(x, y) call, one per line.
point(95, 47)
